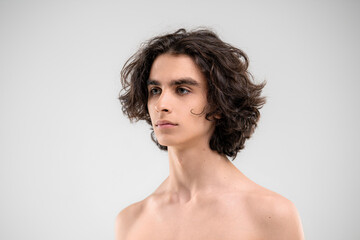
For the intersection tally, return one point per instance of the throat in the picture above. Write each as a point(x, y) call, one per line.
point(190, 174)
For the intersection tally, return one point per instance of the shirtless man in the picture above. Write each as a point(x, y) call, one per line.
point(196, 93)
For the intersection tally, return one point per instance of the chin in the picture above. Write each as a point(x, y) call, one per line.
point(175, 144)
point(168, 141)
point(165, 143)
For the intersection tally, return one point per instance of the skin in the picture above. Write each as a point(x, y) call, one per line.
point(205, 196)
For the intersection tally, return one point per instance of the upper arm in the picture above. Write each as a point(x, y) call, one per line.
point(284, 222)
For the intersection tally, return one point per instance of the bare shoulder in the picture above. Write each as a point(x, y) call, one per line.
point(126, 219)
point(276, 215)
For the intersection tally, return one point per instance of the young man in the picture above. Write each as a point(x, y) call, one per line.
point(196, 93)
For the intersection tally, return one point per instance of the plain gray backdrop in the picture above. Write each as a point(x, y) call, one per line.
point(70, 161)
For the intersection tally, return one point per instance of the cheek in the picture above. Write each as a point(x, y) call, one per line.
point(150, 110)
point(196, 106)
point(197, 116)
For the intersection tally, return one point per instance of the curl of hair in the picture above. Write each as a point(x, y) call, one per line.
point(233, 98)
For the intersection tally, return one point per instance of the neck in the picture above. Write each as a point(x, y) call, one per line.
point(197, 170)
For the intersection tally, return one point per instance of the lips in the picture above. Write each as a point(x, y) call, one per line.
point(164, 123)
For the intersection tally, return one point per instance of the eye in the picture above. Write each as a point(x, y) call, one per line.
point(182, 91)
point(154, 91)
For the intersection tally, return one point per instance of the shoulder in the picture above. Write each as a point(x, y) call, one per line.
point(126, 219)
point(129, 217)
point(276, 215)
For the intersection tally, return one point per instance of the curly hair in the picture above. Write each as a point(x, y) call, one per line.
point(232, 95)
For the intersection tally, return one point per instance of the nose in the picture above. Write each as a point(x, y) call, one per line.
point(163, 103)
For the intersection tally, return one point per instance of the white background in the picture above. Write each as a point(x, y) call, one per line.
point(70, 161)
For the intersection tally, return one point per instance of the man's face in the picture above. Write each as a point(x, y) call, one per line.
point(177, 95)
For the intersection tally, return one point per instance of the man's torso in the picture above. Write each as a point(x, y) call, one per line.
point(224, 217)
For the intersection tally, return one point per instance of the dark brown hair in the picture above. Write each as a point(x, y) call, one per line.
point(232, 94)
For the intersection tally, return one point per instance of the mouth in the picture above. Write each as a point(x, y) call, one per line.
point(165, 124)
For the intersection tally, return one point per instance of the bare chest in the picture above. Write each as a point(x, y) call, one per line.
point(197, 224)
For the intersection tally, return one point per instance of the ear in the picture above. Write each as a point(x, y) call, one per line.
point(217, 116)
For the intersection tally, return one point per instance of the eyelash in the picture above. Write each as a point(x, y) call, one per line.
point(177, 90)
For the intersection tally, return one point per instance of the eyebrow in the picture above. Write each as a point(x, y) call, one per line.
point(181, 81)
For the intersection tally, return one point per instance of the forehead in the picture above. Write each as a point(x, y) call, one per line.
point(168, 67)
